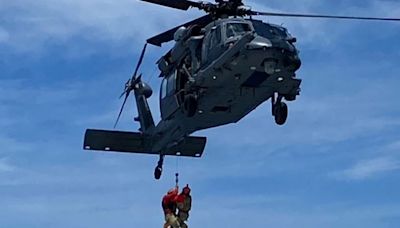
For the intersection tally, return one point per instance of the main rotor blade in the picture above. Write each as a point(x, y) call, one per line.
point(321, 16)
point(169, 35)
point(177, 4)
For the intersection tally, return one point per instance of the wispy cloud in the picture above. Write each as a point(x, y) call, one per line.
point(5, 166)
point(99, 21)
point(394, 146)
point(315, 120)
point(368, 169)
point(11, 145)
point(46, 175)
point(4, 35)
point(287, 212)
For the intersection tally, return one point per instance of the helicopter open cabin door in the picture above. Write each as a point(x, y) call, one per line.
point(168, 100)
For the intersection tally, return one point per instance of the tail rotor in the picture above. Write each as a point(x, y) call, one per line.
point(131, 84)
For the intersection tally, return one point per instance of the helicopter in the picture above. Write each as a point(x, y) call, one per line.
point(222, 66)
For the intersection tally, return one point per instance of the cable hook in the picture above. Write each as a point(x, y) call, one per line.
point(177, 179)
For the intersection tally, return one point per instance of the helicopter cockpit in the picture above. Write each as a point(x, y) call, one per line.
point(271, 31)
point(234, 30)
point(219, 37)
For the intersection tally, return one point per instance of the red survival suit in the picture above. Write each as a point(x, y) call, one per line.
point(169, 205)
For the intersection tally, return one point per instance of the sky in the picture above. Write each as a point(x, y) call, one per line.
point(336, 163)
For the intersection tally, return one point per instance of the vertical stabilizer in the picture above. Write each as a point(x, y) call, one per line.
point(145, 118)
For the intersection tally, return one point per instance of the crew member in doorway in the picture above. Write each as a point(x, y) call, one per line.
point(184, 204)
point(169, 206)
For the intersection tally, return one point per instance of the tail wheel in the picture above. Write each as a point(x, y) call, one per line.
point(281, 113)
point(157, 172)
point(190, 105)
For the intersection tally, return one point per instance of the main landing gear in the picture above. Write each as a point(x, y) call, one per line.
point(159, 168)
point(279, 110)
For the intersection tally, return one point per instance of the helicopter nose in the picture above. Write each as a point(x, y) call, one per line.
point(292, 61)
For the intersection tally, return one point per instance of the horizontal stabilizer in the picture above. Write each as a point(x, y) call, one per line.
point(133, 142)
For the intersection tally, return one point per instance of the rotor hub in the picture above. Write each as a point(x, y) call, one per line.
point(225, 8)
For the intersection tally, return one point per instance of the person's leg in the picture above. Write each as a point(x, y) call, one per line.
point(172, 221)
point(183, 216)
point(182, 221)
point(183, 225)
point(168, 221)
point(175, 222)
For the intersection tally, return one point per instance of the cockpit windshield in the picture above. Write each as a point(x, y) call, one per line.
point(270, 31)
point(278, 31)
point(237, 29)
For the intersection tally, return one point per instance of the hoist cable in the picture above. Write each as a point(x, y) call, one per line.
point(177, 172)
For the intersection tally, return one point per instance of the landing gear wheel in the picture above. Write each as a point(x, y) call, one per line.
point(158, 173)
point(280, 113)
point(190, 105)
point(159, 168)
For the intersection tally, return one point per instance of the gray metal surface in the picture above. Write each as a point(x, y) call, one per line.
point(133, 142)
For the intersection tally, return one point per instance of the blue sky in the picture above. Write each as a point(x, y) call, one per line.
point(335, 164)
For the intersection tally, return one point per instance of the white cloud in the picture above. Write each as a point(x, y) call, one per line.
point(369, 168)
point(95, 189)
point(288, 212)
point(386, 8)
point(4, 35)
point(312, 121)
point(5, 166)
point(128, 22)
point(10, 145)
point(394, 146)
point(307, 31)
point(97, 20)
point(323, 33)
point(15, 91)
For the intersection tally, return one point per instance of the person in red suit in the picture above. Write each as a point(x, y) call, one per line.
point(169, 205)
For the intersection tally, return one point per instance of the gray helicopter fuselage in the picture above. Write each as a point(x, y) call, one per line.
point(232, 67)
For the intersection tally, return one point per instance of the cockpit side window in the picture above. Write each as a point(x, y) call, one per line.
point(215, 37)
point(164, 88)
point(171, 85)
point(212, 42)
point(237, 29)
point(168, 85)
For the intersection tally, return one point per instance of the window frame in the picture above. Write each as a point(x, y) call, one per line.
point(171, 83)
point(225, 30)
point(163, 93)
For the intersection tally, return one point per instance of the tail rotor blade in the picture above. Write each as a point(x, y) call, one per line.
point(129, 85)
point(123, 94)
point(121, 110)
point(139, 62)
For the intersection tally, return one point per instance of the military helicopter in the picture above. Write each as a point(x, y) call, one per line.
point(223, 65)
